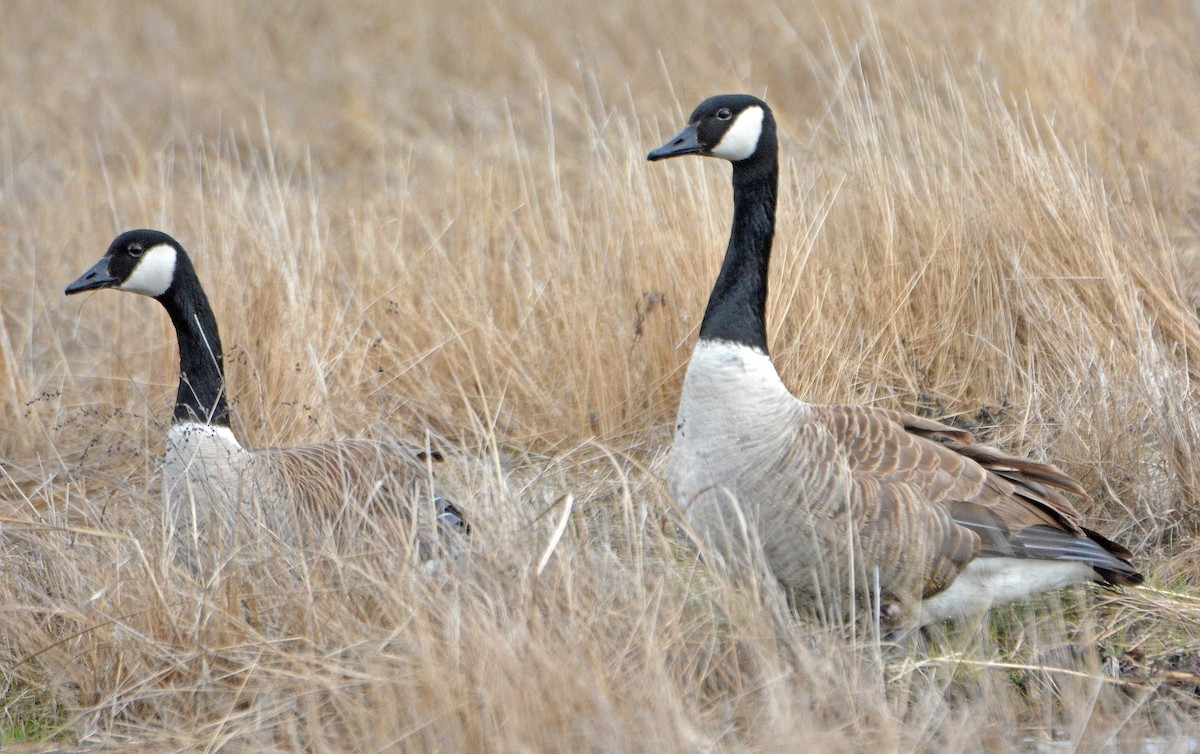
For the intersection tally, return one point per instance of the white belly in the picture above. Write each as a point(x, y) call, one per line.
point(988, 582)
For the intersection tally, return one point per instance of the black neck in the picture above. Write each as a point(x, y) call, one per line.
point(201, 396)
point(737, 306)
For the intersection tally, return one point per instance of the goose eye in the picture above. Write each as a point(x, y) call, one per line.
point(724, 113)
point(136, 249)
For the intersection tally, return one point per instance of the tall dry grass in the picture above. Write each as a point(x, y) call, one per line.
point(437, 218)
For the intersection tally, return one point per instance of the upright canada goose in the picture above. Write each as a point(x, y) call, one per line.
point(213, 488)
point(905, 513)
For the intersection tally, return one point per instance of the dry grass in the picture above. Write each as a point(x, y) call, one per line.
point(436, 217)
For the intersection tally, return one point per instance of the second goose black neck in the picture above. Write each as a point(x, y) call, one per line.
point(201, 395)
point(736, 309)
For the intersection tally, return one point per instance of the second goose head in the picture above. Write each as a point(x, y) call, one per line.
point(151, 263)
point(138, 261)
point(735, 127)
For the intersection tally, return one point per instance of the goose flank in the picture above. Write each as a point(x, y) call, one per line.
point(904, 513)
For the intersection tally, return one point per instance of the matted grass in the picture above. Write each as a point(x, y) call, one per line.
point(437, 218)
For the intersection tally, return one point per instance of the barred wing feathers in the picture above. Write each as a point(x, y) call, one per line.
point(926, 493)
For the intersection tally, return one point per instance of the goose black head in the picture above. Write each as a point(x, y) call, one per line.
point(734, 127)
point(138, 261)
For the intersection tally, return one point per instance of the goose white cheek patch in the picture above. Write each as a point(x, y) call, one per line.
point(742, 138)
point(740, 141)
point(154, 272)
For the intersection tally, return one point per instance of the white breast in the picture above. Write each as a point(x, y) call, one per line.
point(202, 450)
point(730, 412)
point(213, 491)
point(751, 470)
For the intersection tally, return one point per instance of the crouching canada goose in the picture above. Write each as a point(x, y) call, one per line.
point(904, 513)
point(216, 491)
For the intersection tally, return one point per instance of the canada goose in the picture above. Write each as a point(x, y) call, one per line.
point(213, 488)
point(903, 512)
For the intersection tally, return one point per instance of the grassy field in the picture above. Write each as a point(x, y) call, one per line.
point(436, 219)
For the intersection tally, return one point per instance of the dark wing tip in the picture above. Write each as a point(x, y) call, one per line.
point(450, 517)
point(1126, 577)
point(1109, 560)
point(1125, 574)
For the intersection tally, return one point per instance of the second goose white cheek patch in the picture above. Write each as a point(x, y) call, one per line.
point(154, 273)
point(741, 140)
